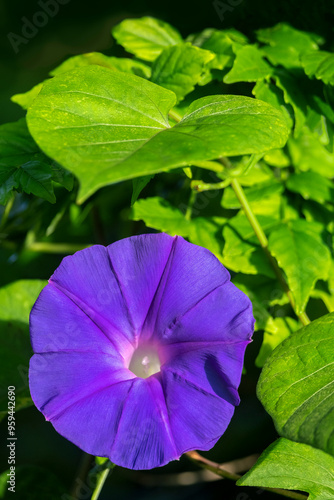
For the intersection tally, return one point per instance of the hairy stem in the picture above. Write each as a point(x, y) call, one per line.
point(220, 471)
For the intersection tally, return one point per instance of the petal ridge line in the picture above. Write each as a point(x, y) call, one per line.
point(87, 312)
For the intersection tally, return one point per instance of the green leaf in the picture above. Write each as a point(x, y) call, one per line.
point(296, 385)
point(242, 252)
point(293, 466)
point(293, 95)
point(109, 126)
point(311, 186)
point(206, 232)
point(62, 176)
point(302, 255)
point(319, 64)
point(34, 177)
point(276, 330)
point(255, 193)
point(16, 301)
point(277, 158)
point(22, 165)
point(249, 66)
point(124, 64)
point(180, 67)
point(268, 92)
point(220, 44)
point(157, 213)
point(25, 99)
point(286, 44)
point(138, 185)
point(308, 153)
point(145, 37)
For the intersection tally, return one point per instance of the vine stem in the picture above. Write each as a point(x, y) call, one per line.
point(99, 485)
point(239, 192)
point(220, 471)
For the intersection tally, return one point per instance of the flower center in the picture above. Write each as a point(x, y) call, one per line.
point(145, 362)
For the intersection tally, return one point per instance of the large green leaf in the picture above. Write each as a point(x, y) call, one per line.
point(249, 66)
point(303, 256)
point(296, 385)
point(16, 301)
point(22, 165)
point(319, 64)
point(146, 37)
point(285, 44)
point(180, 67)
point(108, 126)
point(91, 58)
point(293, 466)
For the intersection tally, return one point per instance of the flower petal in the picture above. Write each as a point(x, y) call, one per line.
point(144, 439)
point(215, 368)
point(87, 278)
point(139, 263)
point(224, 315)
point(197, 418)
point(66, 327)
point(191, 273)
point(58, 380)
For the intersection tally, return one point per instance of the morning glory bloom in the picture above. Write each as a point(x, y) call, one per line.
point(139, 349)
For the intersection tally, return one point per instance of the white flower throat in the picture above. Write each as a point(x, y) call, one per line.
point(145, 362)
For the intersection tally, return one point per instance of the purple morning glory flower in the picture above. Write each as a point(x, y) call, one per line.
point(139, 349)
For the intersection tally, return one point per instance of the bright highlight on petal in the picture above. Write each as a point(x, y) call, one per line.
point(139, 349)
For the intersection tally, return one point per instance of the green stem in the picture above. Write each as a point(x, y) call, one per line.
point(7, 210)
point(264, 244)
point(46, 247)
point(191, 202)
point(99, 485)
point(200, 186)
point(174, 115)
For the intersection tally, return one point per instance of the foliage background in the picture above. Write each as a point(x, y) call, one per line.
point(47, 463)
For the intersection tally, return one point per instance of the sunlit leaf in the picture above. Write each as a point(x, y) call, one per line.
point(296, 385)
point(303, 256)
point(146, 37)
point(108, 126)
point(180, 67)
point(293, 466)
